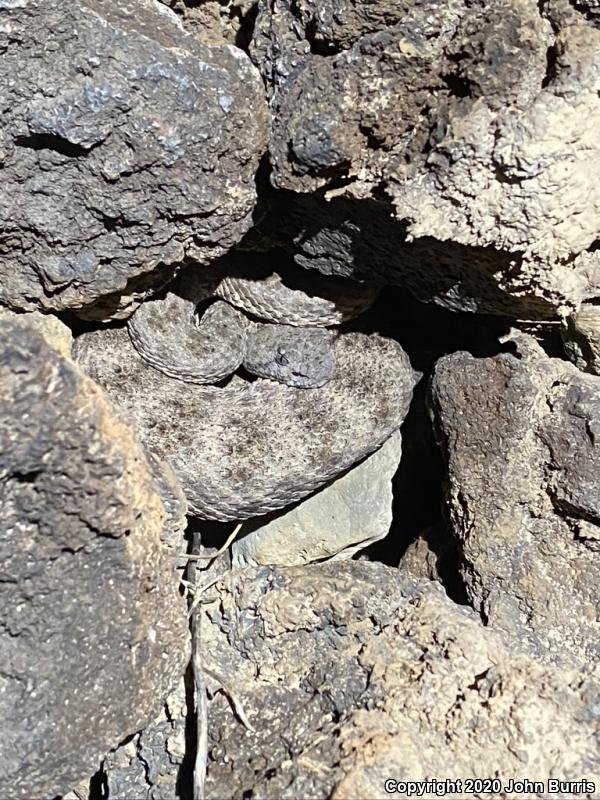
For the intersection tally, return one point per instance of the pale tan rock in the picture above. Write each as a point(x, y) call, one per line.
point(216, 21)
point(344, 517)
point(56, 333)
point(350, 675)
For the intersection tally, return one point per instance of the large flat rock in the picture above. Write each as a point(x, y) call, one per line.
point(350, 676)
point(336, 522)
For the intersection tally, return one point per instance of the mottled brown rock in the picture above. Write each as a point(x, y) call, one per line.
point(92, 623)
point(520, 435)
point(472, 123)
point(56, 333)
point(126, 144)
point(217, 21)
point(523, 179)
point(350, 675)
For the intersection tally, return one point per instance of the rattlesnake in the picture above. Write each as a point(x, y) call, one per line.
point(297, 350)
point(244, 450)
point(165, 333)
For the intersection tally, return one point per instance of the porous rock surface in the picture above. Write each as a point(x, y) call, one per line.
point(92, 624)
point(350, 676)
point(349, 514)
point(520, 433)
point(217, 21)
point(151, 763)
point(126, 144)
point(49, 327)
point(361, 239)
point(473, 123)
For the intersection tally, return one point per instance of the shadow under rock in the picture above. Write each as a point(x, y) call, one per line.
point(426, 332)
point(360, 238)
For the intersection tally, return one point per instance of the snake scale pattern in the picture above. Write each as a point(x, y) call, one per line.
point(249, 447)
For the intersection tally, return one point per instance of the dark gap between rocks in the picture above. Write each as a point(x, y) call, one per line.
point(246, 30)
point(426, 332)
point(185, 777)
point(98, 786)
point(47, 141)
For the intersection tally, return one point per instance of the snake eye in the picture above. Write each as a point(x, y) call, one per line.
point(281, 358)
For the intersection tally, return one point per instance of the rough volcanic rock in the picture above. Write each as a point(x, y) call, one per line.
point(126, 144)
point(241, 451)
point(348, 89)
point(470, 122)
point(56, 333)
point(521, 436)
point(217, 21)
point(524, 179)
point(152, 763)
point(350, 676)
point(360, 238)
point(348, 515)
point(432, 555)
point(92, 624)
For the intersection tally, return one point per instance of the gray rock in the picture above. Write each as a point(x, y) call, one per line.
point(519, 433)
point(126, 144)
point(92, 625)
point(449, 116)
point(151, 763)
point(336, 522)
point(350, 676)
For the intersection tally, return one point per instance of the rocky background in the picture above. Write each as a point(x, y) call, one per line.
point(300, 595)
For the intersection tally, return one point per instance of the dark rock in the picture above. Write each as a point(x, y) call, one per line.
point(126, 144)
point(520, 434)
point(350, 676)
point(361, 239)
point(93, 628)
point(152, 763)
